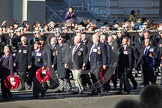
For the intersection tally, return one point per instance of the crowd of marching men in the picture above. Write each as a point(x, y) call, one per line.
point(66, 57)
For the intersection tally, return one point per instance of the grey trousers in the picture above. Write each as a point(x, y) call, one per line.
point(77, 78)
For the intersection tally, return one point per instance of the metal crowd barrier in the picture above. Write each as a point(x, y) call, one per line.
point(89, 34)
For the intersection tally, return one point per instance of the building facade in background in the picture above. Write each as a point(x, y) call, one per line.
point(36, 10)
point(31, 10)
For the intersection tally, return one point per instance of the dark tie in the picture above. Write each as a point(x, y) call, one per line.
point(146, 51)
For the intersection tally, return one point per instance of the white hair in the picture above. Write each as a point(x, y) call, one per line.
point(77, 37)
point(23, 38)
point(102, 37)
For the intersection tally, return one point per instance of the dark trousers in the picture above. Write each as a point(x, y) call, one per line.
point(38, 87)
point(149, 76)
point(54, 83)
point(125, 82)
point(132, 79)
point(86, 79)
point(123, 76)
point(22, 79)
point(114, 79)
point(5, 91)
point(97, 84)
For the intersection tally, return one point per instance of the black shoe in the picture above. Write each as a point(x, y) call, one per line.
point(141, 83)
point(120, 92)
point(94, 92)
point(128, 92)
point(135, 86)
point(29, 87)
point(9, 95)
point(80, 92)
point(43, 93)
point(58, 91)
point(34, 97)
point(53, 86)
point(21, 89)
point(103, 93)
point(115, 88)
point(4, 98)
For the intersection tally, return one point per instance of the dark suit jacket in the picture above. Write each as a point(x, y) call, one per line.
point(78, 57)
point(6, 66)
point(145, 59)
point(23, 58)
point(49, 56)
point(37, 58)
point(98, 56)
point(49, 59)
point(125, 59)
point(61, 54)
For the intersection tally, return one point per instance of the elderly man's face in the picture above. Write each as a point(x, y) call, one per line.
point(109, 39)
point(76, 40)
point(147, 42)
point(24, 41)
point(53, 40)
point(95, 38)
point(102, 39)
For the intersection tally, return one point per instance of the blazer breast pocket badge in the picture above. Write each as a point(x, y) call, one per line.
point(79, 53)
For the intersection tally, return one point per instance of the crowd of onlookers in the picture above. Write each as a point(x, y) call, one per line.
point(71, 24)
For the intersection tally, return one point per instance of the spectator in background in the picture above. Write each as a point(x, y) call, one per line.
point(132, 16)
point(151, 97)
point(26, 26)
point(3, 26)
point(51, 25)
point(37, 26)
point(45, 28)
point(15, 25)
point(91, 26)
point(70, 15)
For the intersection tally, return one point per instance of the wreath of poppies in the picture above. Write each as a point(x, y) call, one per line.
point(12, 82)
point(43, 75)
